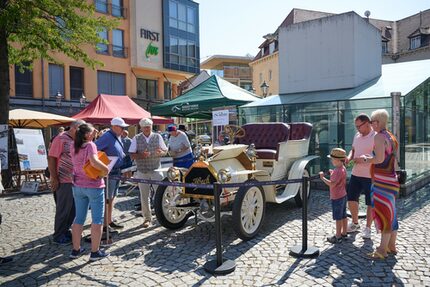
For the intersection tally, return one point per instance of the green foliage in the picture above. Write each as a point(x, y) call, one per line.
point(39, 28)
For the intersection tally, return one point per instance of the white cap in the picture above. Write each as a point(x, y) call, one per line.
point(118, 122)
point(145, 122)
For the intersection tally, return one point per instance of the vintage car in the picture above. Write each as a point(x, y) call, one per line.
point(261, 152)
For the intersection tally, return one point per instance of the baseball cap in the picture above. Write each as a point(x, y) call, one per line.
point(171, 128)
point(118, 122)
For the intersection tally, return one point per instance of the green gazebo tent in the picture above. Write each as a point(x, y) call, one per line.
point(199, 101)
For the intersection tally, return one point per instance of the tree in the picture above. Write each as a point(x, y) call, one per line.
point(32, 30)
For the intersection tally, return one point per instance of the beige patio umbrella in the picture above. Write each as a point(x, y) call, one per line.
point(21, 118)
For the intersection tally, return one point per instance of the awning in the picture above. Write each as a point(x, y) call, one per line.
point(199, 101)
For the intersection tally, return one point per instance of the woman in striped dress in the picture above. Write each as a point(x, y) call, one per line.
point(385, 186)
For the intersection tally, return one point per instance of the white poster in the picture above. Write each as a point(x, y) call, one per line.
point(4, 132)
point(220, 118)
point(31, 149)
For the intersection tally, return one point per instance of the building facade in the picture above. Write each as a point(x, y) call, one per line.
point(136, 64)
point(234, 69)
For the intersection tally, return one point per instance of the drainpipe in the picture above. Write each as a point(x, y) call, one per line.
point(43, 85)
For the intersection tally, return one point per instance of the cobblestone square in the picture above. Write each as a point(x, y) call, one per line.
point(158, 257)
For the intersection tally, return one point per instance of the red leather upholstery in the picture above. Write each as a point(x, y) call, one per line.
point(265, 135)
point(300, 130)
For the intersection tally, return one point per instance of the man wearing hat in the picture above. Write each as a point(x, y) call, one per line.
point(180, 148)
point(146, 149)
point(110, 143)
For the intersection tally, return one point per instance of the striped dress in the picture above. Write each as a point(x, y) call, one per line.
point(385, 188)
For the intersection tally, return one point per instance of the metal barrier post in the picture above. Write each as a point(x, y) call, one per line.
point(219, 266)
point(304, 250)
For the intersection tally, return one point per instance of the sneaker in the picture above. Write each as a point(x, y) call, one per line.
point(63, 240)
point(115, 225)
point(146, 223)
point(111, 230)
point(352, 227)
point(76, 253)
point(367, 233)
point(334, 239)
point(99, 254)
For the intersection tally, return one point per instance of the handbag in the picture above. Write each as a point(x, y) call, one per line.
point(93, 172)
point(401, 176)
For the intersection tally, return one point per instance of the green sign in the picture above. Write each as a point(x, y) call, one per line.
point(151, 50)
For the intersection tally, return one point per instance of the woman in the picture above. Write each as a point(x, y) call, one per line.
point(385, 186)
point(180, 148)
point(87, 192)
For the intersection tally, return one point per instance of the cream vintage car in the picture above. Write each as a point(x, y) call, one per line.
point(261, 152)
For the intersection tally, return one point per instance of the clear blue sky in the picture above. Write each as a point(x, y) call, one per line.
point(236, 27)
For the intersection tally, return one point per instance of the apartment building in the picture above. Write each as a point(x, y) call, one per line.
point(153, 49)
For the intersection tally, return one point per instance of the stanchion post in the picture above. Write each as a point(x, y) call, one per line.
point(304, 250)
point(219, 266)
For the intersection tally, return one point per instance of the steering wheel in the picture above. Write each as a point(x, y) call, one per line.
point(234, 132)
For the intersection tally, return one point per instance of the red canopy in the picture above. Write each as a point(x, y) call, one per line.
point(105, 107)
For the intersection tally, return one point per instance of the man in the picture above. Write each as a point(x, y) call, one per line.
point(146, 149)
point(126, 142)
point(110, 143)
point(360, 181)
point(61, 177)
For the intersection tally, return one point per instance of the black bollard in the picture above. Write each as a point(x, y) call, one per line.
point(303, 250)
point(219, 266)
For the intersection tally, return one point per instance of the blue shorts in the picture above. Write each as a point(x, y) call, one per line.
point(358, 185)
point(113, 184)
point(185, 161)
point(85, 197)
point(339, 208)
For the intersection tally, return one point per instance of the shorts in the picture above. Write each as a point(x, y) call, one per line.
point(93, 197)
point(358, 185)
point(339, 208)
point(112, 185)
point(185, 161)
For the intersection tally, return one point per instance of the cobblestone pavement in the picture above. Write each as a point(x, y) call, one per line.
point(159, 257)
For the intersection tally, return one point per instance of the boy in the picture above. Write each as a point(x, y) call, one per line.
point(337, 184)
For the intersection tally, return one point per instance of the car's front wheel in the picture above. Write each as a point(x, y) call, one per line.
point(165, 204)
point(248, 211)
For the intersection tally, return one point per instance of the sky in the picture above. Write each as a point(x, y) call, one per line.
point(237, 27)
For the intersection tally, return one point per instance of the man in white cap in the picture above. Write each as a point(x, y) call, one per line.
point(146, 149)
point(110, 143)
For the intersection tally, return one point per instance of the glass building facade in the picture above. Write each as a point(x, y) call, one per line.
point(181, 42)
point(334, 125)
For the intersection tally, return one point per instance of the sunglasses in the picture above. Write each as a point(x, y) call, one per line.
point(359, 126)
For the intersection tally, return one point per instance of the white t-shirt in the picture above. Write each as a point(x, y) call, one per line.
point(133, 145)
point(179, 145)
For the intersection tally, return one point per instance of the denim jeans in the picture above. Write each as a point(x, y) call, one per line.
point(85, 197)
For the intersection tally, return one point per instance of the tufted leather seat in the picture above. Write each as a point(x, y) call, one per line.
point(300, 130)
point(266, 137)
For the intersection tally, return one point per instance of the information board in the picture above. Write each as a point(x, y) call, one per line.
point(31, 149)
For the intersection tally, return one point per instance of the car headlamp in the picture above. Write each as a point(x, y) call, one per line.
point(251, 151)
point(173, 173)
point(224, 175)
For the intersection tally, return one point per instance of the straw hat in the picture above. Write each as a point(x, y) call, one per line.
point(337, 153)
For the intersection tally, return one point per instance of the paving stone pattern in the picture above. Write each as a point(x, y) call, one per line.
point(159, 257)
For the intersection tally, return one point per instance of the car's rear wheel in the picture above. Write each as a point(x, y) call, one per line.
point(248, 211)
point(298, 198)
point(166, 210)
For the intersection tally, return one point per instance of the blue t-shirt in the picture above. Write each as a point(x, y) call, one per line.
point(112, 146)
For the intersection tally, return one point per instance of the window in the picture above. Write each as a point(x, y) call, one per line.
point(384, 47)
point(271, 48)
point(23, 82)
point(415, 42)
point(182, 17)
point(56, 80)
point(103, 48)
point(117, 8)
point(118, 49)
point(167, 90)
point(111, 83)
point(76, 83)
point(147, 89)
point(101, 6)
point(174, 50)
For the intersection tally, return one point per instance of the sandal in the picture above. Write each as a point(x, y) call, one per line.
point(375, 255)
point(392, 252)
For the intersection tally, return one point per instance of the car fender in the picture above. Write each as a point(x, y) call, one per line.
point(296, 172)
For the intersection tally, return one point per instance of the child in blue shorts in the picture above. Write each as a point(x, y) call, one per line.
point(337, 184)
